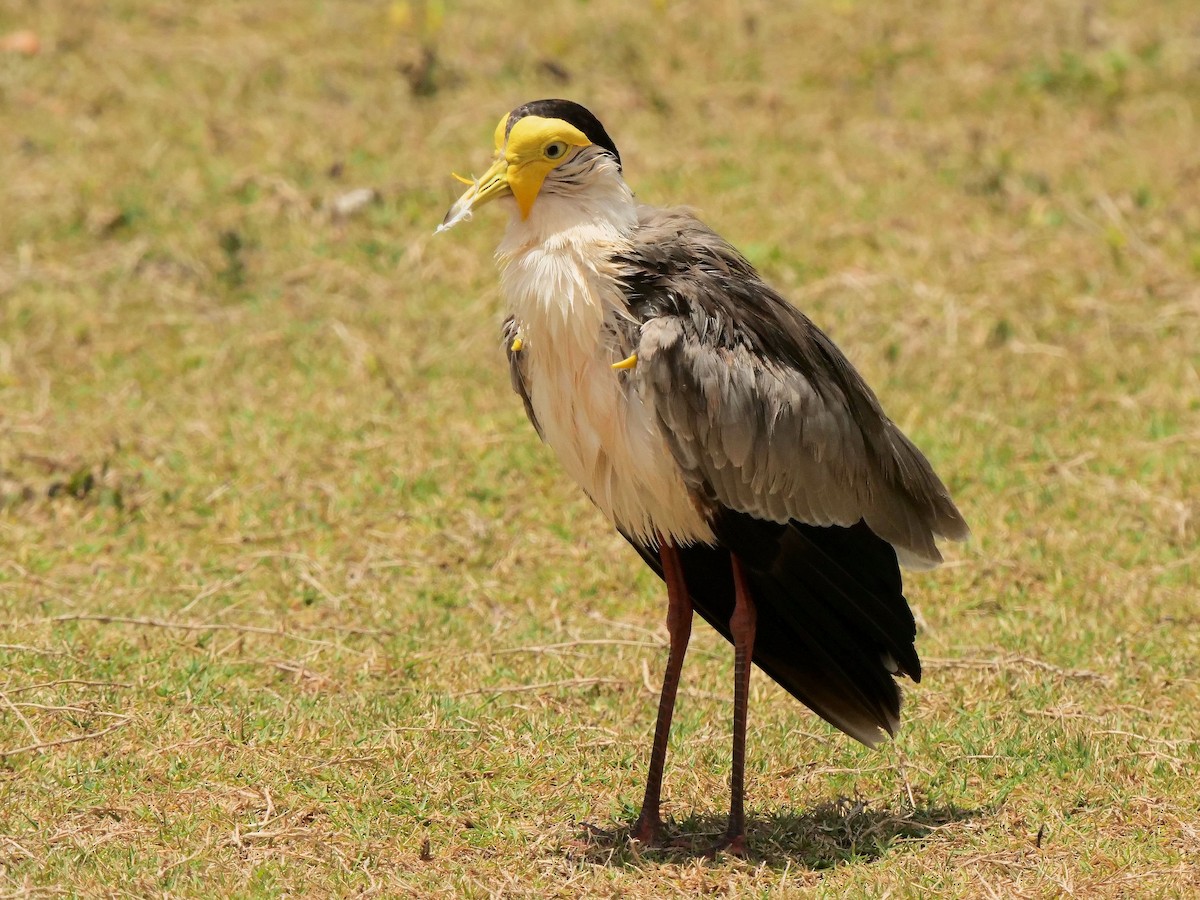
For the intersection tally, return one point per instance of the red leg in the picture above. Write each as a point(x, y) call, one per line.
point(741, 626)
point(648, 827)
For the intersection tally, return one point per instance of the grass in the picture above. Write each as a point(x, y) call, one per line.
point(291, 599)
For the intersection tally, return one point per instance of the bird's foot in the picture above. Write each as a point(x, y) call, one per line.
point(731, 845)
point(647, 830)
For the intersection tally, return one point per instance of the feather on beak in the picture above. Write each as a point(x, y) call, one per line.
point(493, 184)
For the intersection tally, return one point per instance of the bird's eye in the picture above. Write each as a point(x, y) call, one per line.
point(555, 150)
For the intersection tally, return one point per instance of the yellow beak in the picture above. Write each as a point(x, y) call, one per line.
point(493, 184)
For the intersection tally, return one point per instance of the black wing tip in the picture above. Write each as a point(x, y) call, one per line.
point(837, 642)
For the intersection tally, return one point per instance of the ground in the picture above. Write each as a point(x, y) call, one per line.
point(293, 602)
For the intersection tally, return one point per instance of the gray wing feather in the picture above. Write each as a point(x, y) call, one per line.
point(516, 371)
point(761, 411)
point(757, 436)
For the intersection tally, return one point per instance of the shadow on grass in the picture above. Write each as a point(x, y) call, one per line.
point(832, 834)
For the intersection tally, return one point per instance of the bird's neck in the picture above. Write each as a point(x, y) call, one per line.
point(557, 266)
point(602, 212)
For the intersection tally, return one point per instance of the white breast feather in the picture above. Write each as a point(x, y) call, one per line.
point(589, 413)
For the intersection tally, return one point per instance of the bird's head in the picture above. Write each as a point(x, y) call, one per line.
point(542, 148)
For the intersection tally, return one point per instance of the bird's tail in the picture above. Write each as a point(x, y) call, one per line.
point(833, 625)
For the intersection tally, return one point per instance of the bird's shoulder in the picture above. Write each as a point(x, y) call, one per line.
point(674, 262)
point(677, 267)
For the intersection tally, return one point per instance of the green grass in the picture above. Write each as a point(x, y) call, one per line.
point(284, 564)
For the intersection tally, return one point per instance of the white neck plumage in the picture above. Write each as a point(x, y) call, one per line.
point(555, 264)
point(584, 202)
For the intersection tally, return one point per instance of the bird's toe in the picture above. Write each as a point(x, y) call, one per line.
point(730, 845)
point(649, 831)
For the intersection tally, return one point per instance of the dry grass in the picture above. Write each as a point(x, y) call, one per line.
point(294, 603)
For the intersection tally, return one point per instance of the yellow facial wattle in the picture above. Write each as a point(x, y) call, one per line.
point(525, 154)
point(534, 148)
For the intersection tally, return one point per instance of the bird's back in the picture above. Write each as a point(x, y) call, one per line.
point(763, 412)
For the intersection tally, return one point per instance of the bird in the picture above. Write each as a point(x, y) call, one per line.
point(723, 434)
